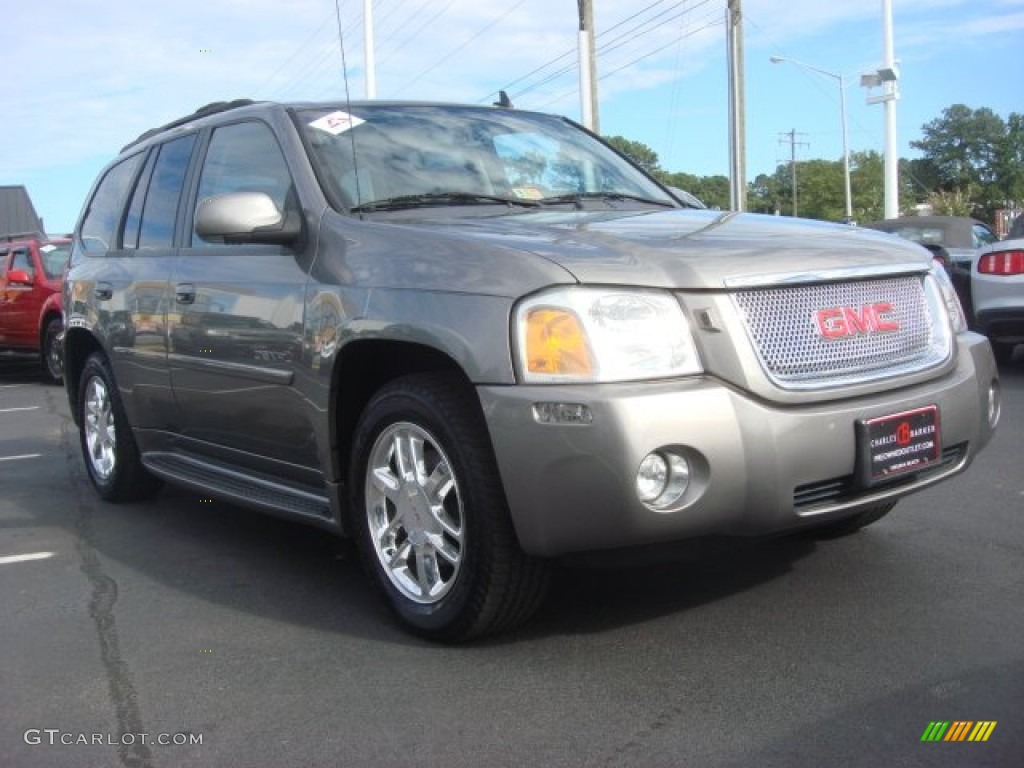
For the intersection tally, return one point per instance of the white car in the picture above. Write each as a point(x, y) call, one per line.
point(997, 287)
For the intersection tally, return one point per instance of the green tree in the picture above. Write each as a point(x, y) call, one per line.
point(963, 145)
point(637, 151)
point(713, 191)
point(1010, 161)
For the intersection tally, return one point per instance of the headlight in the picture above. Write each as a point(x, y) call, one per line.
point(578, 334)
point(949, 298)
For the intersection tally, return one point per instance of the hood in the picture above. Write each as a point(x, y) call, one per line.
point(684, 249)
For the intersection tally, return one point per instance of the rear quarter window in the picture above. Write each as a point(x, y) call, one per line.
point(103, 216)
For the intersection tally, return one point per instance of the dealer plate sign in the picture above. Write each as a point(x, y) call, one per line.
point(898, 443)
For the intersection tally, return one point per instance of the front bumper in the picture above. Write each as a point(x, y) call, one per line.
point(756, 467)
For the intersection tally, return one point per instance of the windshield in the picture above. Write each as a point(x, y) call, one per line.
point(55, 258)
point(373, 157)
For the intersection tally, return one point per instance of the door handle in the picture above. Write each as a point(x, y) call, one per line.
point(185, 293)
point(103, 291)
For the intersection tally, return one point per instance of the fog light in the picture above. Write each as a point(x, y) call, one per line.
point(994, 403)
point(662, 479)
point(651, 478)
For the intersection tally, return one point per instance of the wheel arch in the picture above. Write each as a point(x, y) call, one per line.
point(362, 368)
point(79, 343)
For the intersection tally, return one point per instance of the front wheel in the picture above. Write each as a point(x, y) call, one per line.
point(430, 514)
point(108, 446)
point(53, 363)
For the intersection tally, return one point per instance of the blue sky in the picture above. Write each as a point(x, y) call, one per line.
point(75, 92)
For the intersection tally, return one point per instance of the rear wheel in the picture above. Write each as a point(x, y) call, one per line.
point(53, 364)
point(108, 446)
point(430, 514)
point(849, 525)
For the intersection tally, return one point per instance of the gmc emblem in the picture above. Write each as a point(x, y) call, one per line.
point(842, 322)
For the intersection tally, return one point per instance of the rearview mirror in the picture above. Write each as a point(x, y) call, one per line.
point(245, 217)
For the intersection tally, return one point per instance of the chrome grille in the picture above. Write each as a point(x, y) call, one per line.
point(781, 323)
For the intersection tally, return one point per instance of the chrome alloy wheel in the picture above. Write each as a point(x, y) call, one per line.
point(414, 513)
point(100, 437)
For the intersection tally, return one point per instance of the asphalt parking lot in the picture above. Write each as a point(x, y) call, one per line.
point(240, 640)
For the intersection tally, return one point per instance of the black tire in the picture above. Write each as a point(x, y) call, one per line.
point(848, 525)
point(51, 360)
point(108, 446)
point(462, 574)
point(1003, 351)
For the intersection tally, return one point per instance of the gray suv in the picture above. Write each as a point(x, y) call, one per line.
point(476, 339)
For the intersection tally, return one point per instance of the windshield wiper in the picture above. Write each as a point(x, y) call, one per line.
point(428, 199)
point(579, 197)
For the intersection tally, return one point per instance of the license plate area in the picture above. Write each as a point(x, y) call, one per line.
point(897, 444)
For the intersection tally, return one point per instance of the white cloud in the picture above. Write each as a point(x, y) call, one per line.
point(79, 91)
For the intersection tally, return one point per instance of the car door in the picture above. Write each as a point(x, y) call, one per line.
point(22, 301)
point(237, 318)
point(5, 308)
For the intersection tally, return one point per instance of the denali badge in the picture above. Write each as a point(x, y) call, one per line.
point(840, 322)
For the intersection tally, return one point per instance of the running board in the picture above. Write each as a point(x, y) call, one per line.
point(238, 487)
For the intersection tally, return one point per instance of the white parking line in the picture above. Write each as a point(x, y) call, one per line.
point(26, 408)
point(25, 558)
point(23, 456)
point(10, 386)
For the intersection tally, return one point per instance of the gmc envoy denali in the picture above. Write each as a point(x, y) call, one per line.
point(476, 338)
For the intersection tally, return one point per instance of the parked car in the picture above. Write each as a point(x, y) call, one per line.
point(477, 339)
point(997, 283)
point(1016, 229)
point(31, 274)
point(953, 240)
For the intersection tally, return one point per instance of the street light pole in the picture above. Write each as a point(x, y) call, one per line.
point(842, 116)
point(370, 66)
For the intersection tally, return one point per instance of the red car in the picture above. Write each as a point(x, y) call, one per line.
point(31, 276)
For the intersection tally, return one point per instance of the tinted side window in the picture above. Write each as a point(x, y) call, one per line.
point(246, 157)
point(22, 261)
point(161, 209)
point(134, 217)
point(99, 228)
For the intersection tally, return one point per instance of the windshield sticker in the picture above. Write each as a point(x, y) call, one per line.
point(336, 122)
point(47, 248)
point(527, 193)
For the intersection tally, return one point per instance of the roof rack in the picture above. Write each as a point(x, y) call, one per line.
point(209, 109)
point(11, 237)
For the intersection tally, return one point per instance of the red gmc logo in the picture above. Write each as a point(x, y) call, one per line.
point(841, 322)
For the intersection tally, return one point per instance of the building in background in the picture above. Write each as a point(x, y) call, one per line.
point(17, 214)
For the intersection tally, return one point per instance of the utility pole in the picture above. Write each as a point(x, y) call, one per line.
point(737, 109)
point(370, 64)
point(793, 144)
point(892, 188)
point(848, 195)
point(588, 67)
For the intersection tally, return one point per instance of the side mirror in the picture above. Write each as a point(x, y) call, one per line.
point(245, 217)
point(18, 277)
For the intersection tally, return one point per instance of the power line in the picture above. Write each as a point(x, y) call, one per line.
point(565, 94)
point(508, 87)
point(449, 55)
point(420, 29)
point(633, 34)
